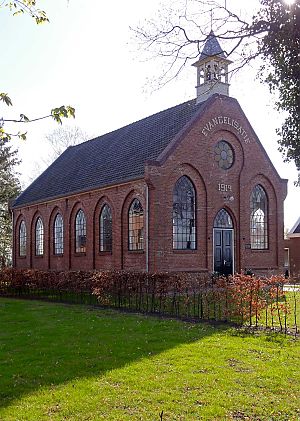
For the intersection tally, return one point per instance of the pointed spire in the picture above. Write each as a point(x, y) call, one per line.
point(212, 47)
point(212, 70)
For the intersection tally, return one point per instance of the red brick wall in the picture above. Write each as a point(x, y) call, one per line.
point(193, 156)
point(118, 197)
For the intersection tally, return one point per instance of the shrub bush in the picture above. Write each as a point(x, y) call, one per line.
point(242, 298)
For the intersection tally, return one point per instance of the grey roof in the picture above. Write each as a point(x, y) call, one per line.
point(296, 228)
point(109, 159)
point(212, 47)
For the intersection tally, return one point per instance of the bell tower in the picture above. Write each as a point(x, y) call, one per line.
point(212, 70)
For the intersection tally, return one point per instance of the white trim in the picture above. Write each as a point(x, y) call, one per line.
point(288, 253)
point(233, 255)
point(147, 228)
point(296, 235)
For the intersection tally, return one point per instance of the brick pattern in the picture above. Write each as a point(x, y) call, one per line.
point(118, 197)
point(193, 156)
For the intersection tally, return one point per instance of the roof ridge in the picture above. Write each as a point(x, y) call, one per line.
point(111, 157)
point(132, 123)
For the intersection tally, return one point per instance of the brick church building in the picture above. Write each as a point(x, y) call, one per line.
point(187, 189)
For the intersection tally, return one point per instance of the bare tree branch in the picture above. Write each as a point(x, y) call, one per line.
point(180, 38)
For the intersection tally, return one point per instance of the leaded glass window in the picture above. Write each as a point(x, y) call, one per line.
point(224, 155)
point(259, 218)
point(106, 229)
point(39, 237)
point(80, 232)
point(223, 220)
point(22, 239)
point(58, 234)
point(184, 218)
point(136, 226)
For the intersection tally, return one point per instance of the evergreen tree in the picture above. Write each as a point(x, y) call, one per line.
point(9, 188)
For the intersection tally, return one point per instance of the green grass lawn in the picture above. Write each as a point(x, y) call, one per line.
point(60, 362)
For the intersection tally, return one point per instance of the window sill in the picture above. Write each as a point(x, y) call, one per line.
point(136, 251)
point(21, 257)
point(40, 256)
point(105, 253)
point(80, 254)
point(185, 251)
point(58, 255)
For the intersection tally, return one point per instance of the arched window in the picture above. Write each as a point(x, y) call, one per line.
point(184, 215)
point(80, 232)
point(259, 218)
point(58, 234)
point(136, 226)
point(39, 237)
point(22, 239)
point(223, 220)
point(106, 229)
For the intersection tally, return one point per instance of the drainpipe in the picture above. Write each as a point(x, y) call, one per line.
point(147, 228)
point(49, 242)
point(13, 240)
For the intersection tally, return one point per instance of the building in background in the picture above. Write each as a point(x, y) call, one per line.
point(187, 189)
point(292, 252)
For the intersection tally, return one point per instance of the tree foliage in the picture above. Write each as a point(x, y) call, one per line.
point(30, 8)
point(10, 188)
point(18, 7)
point(58, 113)
point(280, 47)
point(270, 32)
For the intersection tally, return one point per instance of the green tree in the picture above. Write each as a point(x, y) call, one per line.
point(28, 7)
point(280, 47)
point(271, 32)
point(56, 113)
point(10, 188)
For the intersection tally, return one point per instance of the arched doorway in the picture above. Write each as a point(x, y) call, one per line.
point(223, 243)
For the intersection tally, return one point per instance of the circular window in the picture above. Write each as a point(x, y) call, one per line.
point(224, 155)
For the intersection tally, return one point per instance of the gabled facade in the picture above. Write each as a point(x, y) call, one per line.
point(188, 189)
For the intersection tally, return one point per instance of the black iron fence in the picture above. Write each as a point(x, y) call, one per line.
point(242, 299)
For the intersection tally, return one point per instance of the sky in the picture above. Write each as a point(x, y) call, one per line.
point(87, 57)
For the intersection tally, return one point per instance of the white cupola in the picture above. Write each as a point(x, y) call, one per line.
point(212, 70)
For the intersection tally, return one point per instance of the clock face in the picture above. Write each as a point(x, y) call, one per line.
point(224, 155)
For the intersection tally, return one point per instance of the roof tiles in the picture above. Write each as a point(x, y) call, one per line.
point(115, 157)
point(212, 47)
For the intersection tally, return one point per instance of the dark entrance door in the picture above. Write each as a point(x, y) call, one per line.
point(223, 243)
point(223, 259)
